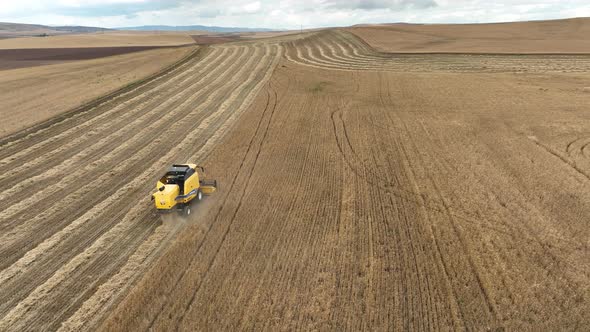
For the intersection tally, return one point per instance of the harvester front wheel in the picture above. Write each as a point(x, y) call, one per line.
point(199, 195)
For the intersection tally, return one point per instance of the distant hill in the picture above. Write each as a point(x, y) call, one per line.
point(525, 37)
point(193, 28)
point(24, 30)
point(79, 29)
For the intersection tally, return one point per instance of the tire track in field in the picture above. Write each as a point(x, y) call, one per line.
point(271, 107)
point(408, 216)
point(278, 247)
point(356, 165)
point(570, 149)
point(579, 148)
point(238, 206)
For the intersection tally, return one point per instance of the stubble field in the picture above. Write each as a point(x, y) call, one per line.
point(358, 190)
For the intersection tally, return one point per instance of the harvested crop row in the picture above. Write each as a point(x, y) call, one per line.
point(340, 50)
point(92, 209)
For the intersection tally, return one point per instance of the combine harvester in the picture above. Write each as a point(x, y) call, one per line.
point(179, 187)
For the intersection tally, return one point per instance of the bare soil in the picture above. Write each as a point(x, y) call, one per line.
point(106, 39)
point(30, 57)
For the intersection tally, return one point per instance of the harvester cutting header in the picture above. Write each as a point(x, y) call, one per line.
point(180, 186)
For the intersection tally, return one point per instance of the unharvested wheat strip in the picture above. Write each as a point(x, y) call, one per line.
point(107, 116)
point(107, 292)
point(106, 157)
point(38, 136)
point(67, 164)
point(43, 291)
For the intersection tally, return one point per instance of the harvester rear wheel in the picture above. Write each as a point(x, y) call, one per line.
point(186, 210)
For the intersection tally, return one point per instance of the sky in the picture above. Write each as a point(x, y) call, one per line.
point(282, 14)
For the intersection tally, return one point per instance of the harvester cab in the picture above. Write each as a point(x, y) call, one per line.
point(180, 186)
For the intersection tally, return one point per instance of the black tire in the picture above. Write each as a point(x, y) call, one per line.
point(199, 195)
point(186, 210)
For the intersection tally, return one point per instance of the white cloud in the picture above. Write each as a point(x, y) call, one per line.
point(282, 14)
point(252, 7)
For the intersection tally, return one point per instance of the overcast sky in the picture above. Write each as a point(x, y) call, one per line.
point(282, 14)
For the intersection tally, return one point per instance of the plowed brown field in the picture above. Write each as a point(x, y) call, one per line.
point(358, 191)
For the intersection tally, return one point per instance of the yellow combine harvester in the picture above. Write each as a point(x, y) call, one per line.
point(180, 186)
